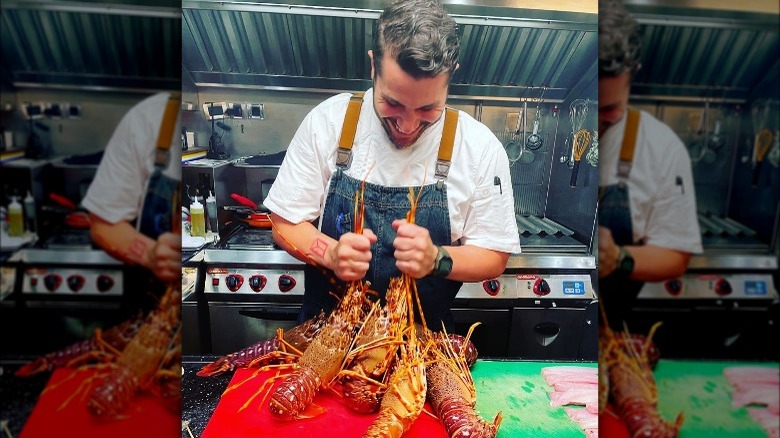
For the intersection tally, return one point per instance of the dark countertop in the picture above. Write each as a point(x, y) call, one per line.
point(18, 395)
point(200, 395)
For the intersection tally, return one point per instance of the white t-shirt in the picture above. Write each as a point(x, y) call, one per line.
point(119, 187)
point(660, 185)
point(481, 212)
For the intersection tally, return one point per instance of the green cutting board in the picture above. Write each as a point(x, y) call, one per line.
point(519, 391)
point(700, 390)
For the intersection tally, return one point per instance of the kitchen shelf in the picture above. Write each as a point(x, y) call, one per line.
point(193, 154)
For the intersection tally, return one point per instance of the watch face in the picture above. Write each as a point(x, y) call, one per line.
point(445, 266)
point(627, 264)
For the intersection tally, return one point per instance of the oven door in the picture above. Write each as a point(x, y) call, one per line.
point(235, 326)
point(546, 333)
point(491, 336)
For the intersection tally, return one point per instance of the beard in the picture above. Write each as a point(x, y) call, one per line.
point(399, 139)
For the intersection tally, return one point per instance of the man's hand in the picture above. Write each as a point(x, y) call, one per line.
point(415, 253)
point(350, 257)
point(608, 252)
point(164, 257)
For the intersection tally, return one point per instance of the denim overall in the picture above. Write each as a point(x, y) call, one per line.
point(382, 206)
point(158, 211)
point(617, 294)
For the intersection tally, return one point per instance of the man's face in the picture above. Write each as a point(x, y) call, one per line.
point(613, 99)
point(406, 106)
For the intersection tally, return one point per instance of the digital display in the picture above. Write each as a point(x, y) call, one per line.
point(33, 110)
point(756, 288)
point(574, 288)
point(215, 111)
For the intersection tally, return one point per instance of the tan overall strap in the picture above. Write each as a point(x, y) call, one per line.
point(444, 159)
point(629, 143)
point(165, 137)
point(348, 130)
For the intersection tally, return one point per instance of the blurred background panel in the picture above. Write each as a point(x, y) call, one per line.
point(70, 71)
point(710, 71)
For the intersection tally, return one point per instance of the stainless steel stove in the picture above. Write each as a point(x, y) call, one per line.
point(66, 263)
point(257, 272)
point(726, 304)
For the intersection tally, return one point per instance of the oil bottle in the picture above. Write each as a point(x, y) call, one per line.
point(198, 224)
point(15, 219)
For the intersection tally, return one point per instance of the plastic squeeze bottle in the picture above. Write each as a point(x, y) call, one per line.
point(198, 221)
point(29, 212)
point(15, 219)
point(211, 210)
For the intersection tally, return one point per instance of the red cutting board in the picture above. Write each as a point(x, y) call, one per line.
point(50, 418)
point(610, 425)
point(337, 421)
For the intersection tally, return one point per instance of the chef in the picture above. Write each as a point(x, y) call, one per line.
point(131, 199)
point(398, 134)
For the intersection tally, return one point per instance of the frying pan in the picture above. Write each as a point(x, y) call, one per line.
point(253, 219)
point(249, 212)
point(73, 219)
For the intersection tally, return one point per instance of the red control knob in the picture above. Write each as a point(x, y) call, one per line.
point(674, 286)
point(52, 281)
point(104, 283)
point(722, 287)
point(257, 282)
point(75, 282)
point(492, 287)
point(286, 283)
point(541, 287)
point(234, 282)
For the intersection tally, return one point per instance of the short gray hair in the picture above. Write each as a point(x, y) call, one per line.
point(619, 41)
point(420, 35)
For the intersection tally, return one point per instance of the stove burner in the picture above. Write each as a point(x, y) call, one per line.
point(79, 239)
point(249, 238)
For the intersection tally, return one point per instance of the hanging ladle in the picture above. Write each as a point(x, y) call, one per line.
point(526, 156)
point(534, 140)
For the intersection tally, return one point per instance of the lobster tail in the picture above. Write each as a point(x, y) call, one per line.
point(461, 421)
point(219, 366)
point(643, 420)
point(111, 397)
point(386, 424)
point(294, 394)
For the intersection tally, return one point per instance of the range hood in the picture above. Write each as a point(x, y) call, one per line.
point(126, 46)
point(706, 50)
point(507, 53)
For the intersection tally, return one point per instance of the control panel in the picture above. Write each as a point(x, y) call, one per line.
point(251, 281)
point(557, 286)
point(75, 281)
point(509, 286)
point(712, 286)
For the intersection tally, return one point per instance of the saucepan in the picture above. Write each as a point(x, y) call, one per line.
point(73, 217)
point(249, 212)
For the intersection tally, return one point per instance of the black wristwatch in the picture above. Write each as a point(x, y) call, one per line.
point(443, 264)
point(625, 263)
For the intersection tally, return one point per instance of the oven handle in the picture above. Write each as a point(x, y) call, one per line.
point(271, 313)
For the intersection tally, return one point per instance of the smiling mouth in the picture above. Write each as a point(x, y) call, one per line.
point(401, 131)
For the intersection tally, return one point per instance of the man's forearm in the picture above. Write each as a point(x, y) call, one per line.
point(122, 241)
point(303, 241)
point(471, 263)
point(654, 263)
